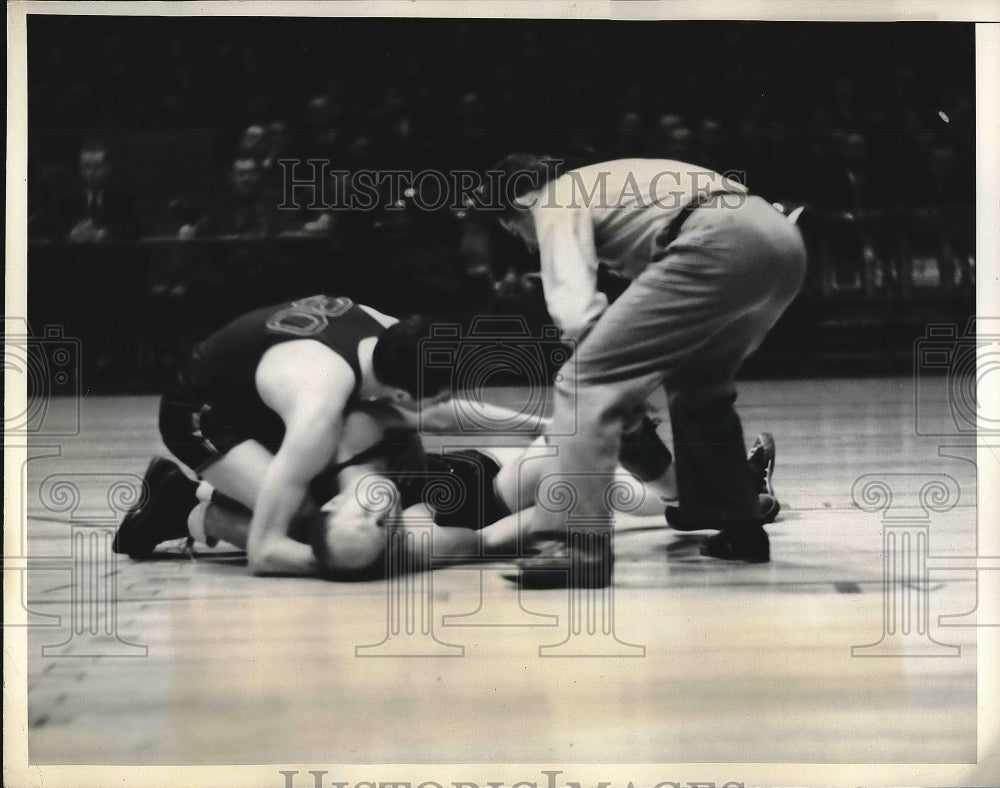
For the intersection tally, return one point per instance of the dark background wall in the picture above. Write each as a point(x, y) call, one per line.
point(870, 125)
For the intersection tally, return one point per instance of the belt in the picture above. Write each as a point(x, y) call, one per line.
point(669, 235)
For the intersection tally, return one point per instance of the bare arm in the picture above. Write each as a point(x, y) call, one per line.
point(447, 542)
point(307, 448)
point(457, 543)
point(459, 414)
point(308, 386)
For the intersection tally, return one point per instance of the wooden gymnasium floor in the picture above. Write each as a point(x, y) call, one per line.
point(703, 661)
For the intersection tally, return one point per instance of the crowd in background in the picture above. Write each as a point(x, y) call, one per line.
point(173, 130)
point(836, 116)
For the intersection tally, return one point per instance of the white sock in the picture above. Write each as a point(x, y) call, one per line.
point(204, 492)
point(196, 523)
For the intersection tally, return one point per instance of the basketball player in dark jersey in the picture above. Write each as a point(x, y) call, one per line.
point(257, 412)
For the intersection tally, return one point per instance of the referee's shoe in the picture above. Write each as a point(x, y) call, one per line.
point(585, 559)
point(743, 540)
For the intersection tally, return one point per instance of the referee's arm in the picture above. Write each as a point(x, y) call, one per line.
point(569, 264)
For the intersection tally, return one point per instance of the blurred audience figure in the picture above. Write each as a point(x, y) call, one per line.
point(857, 188)
point(714, 146)
point(320, 136)
point(253, 142)
point(628, 136)
point(245, 208)
point(96, 211)
point(251, 215)
point(471, 147)
point(673, 138)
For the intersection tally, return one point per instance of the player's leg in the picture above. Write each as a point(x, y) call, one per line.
point(231, 468)
point(213, 449)
point(747, 264)
point(521, 471)
point(225, 521)
point(239, 472)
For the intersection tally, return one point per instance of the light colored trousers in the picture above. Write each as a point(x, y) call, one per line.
point(687, 322)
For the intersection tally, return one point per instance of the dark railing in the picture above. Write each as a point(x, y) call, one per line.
point(874, 281)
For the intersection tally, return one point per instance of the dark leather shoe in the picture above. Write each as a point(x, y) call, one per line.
point(739, 544)
point(552, 563)
point(682, 520)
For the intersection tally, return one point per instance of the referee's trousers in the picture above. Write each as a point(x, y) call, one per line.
point(703, 304)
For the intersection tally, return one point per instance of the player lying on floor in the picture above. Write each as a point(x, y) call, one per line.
point(471, 499)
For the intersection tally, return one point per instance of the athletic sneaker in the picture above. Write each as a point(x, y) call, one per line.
point(161, 515)
point(748, 544)
point(552, 563)
point(761, 460)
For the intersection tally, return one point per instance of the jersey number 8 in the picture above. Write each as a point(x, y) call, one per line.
point(308, 316)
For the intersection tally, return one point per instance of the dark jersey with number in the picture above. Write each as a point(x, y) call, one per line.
point(222, 370)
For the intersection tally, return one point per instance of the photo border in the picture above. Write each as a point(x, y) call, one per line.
point(17, 768)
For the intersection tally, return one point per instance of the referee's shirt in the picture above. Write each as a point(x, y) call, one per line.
point(612, 213)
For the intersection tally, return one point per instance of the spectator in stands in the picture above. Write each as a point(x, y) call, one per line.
point(671, 139)
point(251, 216)
point(320, 137)
point(252, 144)
point(714, 146)
point(947, 184)
point(244, 209)
point(178, 78)
point(471, 143)
point(628, 136)
point(856, 189)
point(97, 211)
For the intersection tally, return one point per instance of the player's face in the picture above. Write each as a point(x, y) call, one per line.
point(357, 536)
